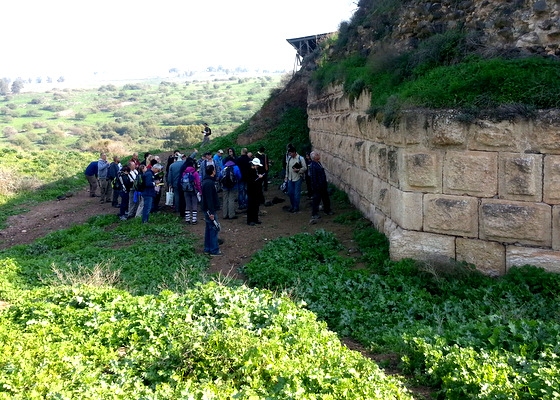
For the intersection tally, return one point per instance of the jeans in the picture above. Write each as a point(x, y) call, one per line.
point(211, 235)
point(242, 195)
point(294, 192)
point(148, 202)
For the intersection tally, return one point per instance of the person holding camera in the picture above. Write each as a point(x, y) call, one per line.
point(295, 170)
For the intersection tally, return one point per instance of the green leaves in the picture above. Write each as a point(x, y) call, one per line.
point(214, 341)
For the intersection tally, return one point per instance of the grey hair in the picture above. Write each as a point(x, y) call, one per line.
point(313, 154)
point(158, 166)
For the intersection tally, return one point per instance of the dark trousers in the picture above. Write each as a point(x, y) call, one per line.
point(318, 196)
point(124, 202)
point(253, 208)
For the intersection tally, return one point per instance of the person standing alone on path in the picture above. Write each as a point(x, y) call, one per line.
point(207, 132)
point(319, 185)
point(210, 206)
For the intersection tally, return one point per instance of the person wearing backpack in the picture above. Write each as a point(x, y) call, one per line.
point(139, 185)
point(229, 177)
point(123, 183)
point(295, 171)
point(149, 192)
point(190, 186)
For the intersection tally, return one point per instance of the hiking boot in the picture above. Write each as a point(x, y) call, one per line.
point(218, 254)
point(315, 216)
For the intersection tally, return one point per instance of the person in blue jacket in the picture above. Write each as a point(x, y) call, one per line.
point(150, 191)
point(91, 176)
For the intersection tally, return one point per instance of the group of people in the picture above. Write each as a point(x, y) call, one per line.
point(189, 182)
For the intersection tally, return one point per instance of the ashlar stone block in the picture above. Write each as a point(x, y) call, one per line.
point(551, 183)
point(556, 227)
point(420, 245)
point(406, 209)
point(421, 171)
point(517, 256)
point(451, 215)
point(471, 173)
point(516, 222)
point(493, 136)
point(488, 257)
point(520, 176)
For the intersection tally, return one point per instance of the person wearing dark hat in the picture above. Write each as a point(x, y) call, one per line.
point(254, 192)
point(206, 161)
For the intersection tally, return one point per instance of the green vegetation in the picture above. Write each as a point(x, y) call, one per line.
point(465, 334)
point(129, 116)
point(68, 334)
point(27, 177)
point(292, 128)
point(445, 70)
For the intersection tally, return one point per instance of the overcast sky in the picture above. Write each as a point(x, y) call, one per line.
point(80, 37)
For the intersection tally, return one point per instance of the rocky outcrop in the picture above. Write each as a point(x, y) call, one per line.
point(498, 27)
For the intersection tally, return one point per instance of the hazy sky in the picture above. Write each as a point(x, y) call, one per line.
point(70, 37)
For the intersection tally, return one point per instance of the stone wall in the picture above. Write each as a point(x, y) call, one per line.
point(487, 193)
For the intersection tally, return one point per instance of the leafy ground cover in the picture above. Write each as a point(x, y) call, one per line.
point(89, 319)
point(465, 334)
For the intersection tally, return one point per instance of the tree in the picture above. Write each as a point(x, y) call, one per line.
point(17, 86)
point(184, 136)
point(4, 86)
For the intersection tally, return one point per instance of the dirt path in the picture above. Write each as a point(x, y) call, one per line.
point(240, 240)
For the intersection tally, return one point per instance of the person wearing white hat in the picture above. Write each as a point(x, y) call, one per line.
point(254, 192)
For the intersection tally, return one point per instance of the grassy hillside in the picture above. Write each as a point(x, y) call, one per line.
point(449, 69)
point(134, 115)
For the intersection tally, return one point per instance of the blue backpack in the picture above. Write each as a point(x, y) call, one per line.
point(187, 182)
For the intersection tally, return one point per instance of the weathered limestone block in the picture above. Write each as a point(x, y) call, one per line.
point(488, 257)
point(445, 130)
point(420, 245)
point(516, 222)
point(545, 133)
point(382, 163)
point(421, 171)
point(451, 215)
point(393, 165)
point(470, 173)
point(551, 183)
point(520, 177)
point(381, 195)
point(517, 256)
point(556, 228)
point(378, 219)
point(406, 209)
point(493, 136)
point(411, 127)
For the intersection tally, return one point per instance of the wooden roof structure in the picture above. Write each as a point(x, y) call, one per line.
point(307, 44)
